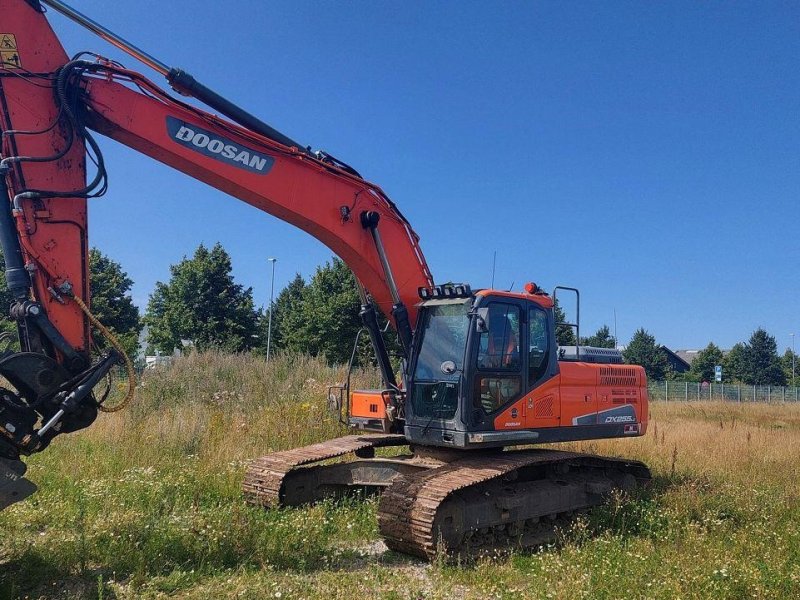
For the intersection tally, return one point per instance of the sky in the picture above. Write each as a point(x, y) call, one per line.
point(647, 153)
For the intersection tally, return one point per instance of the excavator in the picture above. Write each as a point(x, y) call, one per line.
point(450, 441)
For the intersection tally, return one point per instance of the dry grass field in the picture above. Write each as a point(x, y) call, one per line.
point(146, 504)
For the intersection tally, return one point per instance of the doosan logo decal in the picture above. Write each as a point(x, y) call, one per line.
point(210, 144)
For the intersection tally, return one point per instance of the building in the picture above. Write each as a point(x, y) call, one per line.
point(687, 356)
point(676, 362)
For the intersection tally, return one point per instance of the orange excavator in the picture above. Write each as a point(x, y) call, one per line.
point(481, 371)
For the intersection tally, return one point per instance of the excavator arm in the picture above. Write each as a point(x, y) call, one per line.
point(49, 107)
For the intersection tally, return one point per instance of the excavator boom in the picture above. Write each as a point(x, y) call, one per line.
point(50, 106)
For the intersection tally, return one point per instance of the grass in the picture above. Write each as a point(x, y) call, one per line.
point(146, 503)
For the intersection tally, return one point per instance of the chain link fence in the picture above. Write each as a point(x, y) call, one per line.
point(686, 391)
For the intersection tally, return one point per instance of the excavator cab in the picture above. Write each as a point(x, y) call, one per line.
point(486, 371)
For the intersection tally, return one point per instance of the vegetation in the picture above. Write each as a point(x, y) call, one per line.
point(734, 365)
point(762, 366)
point(602, 338)
point(643, 350)
point(287, 316)
point(565, 335)
point(111, 301)
point(146, 504)
point(704, 363)
point(790, 367)
point(201, 306)
point(755, 362)
point(6, 324)
point(321, 317)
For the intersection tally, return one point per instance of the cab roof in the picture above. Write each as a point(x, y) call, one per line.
point(539, 298)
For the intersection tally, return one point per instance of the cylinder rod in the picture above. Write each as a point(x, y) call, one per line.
point(180, 80)
point(107, 35)
point(18, 280)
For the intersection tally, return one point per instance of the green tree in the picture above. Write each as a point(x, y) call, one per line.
point(704, 363)
point(321, 317)
point(287, 316)
point(643, 350)
point(325, 320)
point(201, 303)
point(734, 365)
point(111, 302)
point(602, 338)
point(786, 360)
point(565, 335)
point(763, 365)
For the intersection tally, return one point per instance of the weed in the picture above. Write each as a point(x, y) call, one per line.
point(147, 503)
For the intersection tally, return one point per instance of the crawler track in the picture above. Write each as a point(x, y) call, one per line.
point(485, 503)
point(265, 477)
point(459, 503)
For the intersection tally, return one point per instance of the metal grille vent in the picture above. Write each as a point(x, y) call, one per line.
point(629, 396)
point(544, 407)
point(618, 376)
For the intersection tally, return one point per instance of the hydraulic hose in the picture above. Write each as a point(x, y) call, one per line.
point(112, 339)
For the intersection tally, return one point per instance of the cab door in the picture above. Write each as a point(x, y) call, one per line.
point(499, 377)
point(542, 403)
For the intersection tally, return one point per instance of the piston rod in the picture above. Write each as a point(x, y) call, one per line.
point(107, 35)
point(370, 220)
point(180, 80)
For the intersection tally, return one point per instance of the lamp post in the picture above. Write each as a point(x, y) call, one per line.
point(793, 358)
point(271, 294)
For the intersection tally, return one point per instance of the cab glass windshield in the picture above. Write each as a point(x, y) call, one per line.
point(444, 339)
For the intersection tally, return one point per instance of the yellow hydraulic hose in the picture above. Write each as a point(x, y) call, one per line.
point(118, 347)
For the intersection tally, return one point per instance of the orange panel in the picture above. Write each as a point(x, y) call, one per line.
point(540, 408)
point(580, 391)
point(367, 404)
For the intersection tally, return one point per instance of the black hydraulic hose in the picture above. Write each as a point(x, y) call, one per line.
point(18, 280)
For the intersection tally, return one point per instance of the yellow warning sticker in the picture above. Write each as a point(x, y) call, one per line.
point(9, 57)
point(8, 41)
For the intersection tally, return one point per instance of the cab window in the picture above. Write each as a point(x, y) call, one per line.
point(498, 380)
point(538, 344)
point(498, 347)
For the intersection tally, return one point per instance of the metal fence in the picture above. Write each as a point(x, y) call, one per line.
point(685, 391)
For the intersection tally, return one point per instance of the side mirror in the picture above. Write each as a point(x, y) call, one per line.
point(481, 320)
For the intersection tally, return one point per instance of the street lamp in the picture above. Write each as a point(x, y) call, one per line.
point(271, 294)
point(791, 334)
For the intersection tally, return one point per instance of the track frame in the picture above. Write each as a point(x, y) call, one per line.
point(456, 503)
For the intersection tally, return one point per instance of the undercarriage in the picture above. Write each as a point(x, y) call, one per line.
point(458, 503)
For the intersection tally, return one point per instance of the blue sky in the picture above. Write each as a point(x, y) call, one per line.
point(647, 153)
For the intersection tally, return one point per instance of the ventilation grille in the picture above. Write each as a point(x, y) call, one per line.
point(629, 396)
point(544, 407)
point(619, 376)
